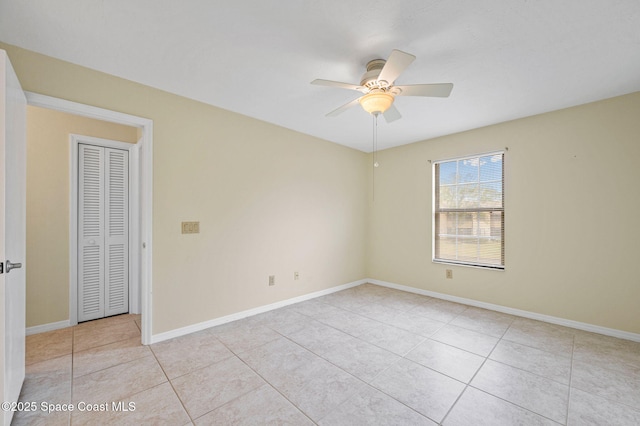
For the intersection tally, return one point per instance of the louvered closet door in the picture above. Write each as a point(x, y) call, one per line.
point(103, 228)
point(116, 232)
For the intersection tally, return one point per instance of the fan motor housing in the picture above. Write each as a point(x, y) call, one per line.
point(370, 78)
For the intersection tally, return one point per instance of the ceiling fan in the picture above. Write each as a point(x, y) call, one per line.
point(378, 89)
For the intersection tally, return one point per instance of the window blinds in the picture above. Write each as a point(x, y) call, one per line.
point(469, 211)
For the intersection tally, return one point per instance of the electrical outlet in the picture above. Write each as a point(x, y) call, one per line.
point(296, 275)
point(272, 280)
point(449, 274)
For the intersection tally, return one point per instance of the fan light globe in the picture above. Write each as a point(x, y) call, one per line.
point(376, 103)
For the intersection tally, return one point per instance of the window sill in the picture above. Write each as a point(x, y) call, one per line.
point(469, 265)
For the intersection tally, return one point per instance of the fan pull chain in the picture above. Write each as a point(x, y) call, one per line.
point(375, 156)
point(375, 139)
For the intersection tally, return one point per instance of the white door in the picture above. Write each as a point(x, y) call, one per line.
point(13, 221)
point(103, 232)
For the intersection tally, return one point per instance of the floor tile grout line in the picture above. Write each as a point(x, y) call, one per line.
point(337, 366)
point(103, 328)
point(440, 372)
point(110, 366)
point(526, 371)
point(403, 357)
point(458, 314)
point(379, 347)
point(363, 316)
point(232, 354)
point(47, 360)
point(73, 360)
point(364, 383)
point(410, 310)
point(559, 353)
point(608, 399)
point(171, 384)
point(428, 338)
point(149, 355)
point(324, 359)
point(535, 347)
point(275, 388)
point(370, 384)
point(522, 369)
point(358, 337)
point(238, 397)
point(106, 344)
point(468, 384)
point(457, 347)
point(386, 323)
point(363, 340)
point(510, 403)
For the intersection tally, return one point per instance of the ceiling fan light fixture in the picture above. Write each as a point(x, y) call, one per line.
point(376, 102)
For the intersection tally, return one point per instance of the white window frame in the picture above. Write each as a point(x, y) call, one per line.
point(434, 198)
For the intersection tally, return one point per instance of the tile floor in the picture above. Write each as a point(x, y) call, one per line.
point(368, 355)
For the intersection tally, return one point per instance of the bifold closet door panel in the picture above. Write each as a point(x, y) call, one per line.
point(116, 232)
point(90, 232)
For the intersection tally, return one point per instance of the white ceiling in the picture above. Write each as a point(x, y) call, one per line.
point(506, 58)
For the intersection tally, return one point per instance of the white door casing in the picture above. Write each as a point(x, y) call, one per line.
point(141, 246)
point(90, 233)
point(12, 235)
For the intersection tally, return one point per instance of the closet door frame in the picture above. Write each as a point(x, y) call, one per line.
point(134, 219)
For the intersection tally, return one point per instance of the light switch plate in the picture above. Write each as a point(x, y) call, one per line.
point(190, 227)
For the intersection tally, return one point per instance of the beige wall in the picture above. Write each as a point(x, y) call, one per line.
point(48, 206)
point(270, 201)
point(571, 208)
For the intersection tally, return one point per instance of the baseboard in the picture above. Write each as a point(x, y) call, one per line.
point(43, 328)
point(512, 311)
point(250, 312)
point(266, 308)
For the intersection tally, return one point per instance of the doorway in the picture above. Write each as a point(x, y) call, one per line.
point(140, 243)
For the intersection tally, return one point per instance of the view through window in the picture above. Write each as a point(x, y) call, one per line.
point(469, 211)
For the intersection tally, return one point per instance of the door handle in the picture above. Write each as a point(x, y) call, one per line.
point(11, 266)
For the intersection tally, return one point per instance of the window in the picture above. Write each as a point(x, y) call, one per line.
point(468, 216)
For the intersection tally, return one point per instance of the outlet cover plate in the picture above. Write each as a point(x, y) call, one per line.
point(190, 227)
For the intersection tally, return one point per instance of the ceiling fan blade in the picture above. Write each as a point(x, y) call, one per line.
point(320, 82)
point(398, 61)
point(392, 114)
point(343, 108)
point(441, 90)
